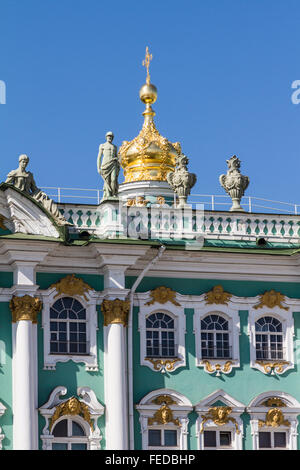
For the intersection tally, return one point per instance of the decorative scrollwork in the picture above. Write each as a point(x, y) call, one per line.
point(163, 365)
point(217, 296)
point(72, 407)
point(71, 285)
point(218, 368)
point(272, 367)
point(115, 311)
point(220, 416)
point(271, 299)
point(162, 295)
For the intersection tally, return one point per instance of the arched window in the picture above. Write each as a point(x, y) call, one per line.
point(68, 327)
point(268, 338)
point(160, 335)
point(69, 435)
point(215, 337)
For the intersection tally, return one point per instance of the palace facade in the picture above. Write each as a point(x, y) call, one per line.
point(144, 322)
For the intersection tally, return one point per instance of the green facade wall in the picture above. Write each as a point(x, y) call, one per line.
point(243, 383)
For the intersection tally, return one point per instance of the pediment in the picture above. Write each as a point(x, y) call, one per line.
point(20, 213)
point(219, 397)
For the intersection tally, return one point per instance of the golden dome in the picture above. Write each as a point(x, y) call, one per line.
point(149, 156)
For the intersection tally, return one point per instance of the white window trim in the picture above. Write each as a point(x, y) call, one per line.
point(202, 409)
point(180, 411)
point(287, 321)
point(88, 398)
point(174, 311)
point(290, 412)
point(2, 436)
point(74, 439)
point(90, 360)
point(231, 313)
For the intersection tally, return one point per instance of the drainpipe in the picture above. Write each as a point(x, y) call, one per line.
point(130, 358)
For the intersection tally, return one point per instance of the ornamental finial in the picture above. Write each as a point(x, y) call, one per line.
point(146, 63)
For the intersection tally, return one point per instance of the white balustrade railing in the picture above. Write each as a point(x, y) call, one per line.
point(214, 202)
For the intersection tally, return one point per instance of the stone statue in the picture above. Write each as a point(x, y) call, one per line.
point(24, 181)
point(234, 183)
point(109, 167)
point(180, 180)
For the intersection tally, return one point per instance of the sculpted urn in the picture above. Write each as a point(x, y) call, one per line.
point(180, 180)
point(234, 183)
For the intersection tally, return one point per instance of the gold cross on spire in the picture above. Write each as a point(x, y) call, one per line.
point(146, 63)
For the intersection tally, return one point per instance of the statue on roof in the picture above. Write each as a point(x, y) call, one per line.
point(109, 167)
point(24, 181)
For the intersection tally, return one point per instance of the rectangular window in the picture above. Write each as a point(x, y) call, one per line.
point(280, 439)
point(154, 437)
point(225, 439)
point(264, 440)
point(162, 438)
point(210, 439)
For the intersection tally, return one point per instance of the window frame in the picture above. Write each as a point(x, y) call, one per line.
point(69, 440)
point(180, 411)
point(177, 314)
point(286, 319)
point(230, 313)
point(257, 411)
point(90, 358)
point(202, 409)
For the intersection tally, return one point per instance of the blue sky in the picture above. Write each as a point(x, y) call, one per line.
point(223, 69)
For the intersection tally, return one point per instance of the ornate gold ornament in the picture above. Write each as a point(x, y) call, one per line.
point(71, 285)
point(163, 416)
point(164, 399)
point(271, 299)
point(225, 368)
point(274, 418)
point(115, 311)
point(162, 295)
point(2, 225)
point(217, 296)
point(164, 365)
point(160, 200)
point(271, 367)
point(149, 156)
point(72, 407)
point(140, 201)
point(274, 401)
point(220, 416)
point(25, 308)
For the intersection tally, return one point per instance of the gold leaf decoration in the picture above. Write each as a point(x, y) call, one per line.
point(164, 399)
point(274, 401)
point(71, 285)
point(217, 296)
point(270, 367)
point(72, 407)
point(162, 295)
point(220, 416)
point(163, 364)
point(115, 311)
point(163, 416)
point(271, 299)
point(25, 308)
point(274, 418)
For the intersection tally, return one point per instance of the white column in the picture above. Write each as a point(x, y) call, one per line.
point(115, 367)
point(116, 393)
point(24, 332)
point(23, 410)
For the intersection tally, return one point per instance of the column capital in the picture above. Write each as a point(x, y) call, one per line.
point(25, 308)
point(115, 311)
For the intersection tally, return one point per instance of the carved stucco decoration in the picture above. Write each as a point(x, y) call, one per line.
point(217, 296)
point(220, 415)
point(163, 416)
point(25, 308)
point(164, 399)
point(272, 367)
point(274, 418)
point(72, 407)
point(115, 311)
point(274, 401)
point(163, 365)
point(163, 295)
point(218, 368)
point(271, 299)
point(71, 285)
point(234, 183)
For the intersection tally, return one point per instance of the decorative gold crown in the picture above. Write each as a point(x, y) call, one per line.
point(149, 156)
